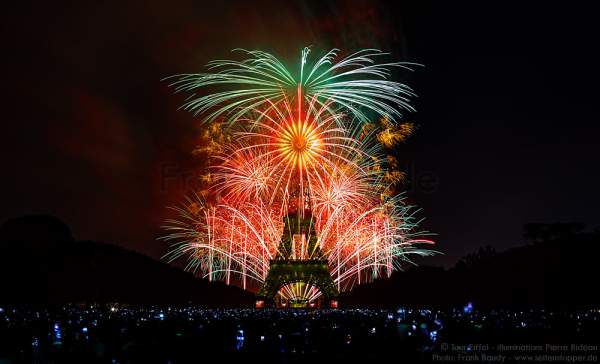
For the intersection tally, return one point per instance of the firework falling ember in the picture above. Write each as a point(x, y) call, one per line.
point(298, 146)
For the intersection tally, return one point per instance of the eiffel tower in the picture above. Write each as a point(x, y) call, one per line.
point(299, 261)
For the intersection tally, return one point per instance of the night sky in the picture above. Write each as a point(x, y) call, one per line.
point(507, 108)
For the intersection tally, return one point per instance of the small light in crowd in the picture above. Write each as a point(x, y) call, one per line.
point(468, 308)
point(433, 335)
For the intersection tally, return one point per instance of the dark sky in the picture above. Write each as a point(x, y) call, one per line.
point(507, 113)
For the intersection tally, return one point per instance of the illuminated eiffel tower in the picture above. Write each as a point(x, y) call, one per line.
point(299, 275)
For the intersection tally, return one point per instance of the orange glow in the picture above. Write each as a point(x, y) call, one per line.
point(299, 143)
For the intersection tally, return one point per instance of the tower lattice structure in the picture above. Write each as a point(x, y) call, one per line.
point(299, 258)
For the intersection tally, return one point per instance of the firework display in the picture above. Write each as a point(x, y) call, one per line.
point(297, 170)
point(354, 84)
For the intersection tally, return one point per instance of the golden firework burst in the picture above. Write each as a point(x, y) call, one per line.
point(299, 143)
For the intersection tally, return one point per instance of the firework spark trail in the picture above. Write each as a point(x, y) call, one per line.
point(290, 135)
point(358, 233)
point(300, 291)
point(354, 83)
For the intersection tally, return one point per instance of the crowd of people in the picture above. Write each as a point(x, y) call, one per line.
point(116, 333)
